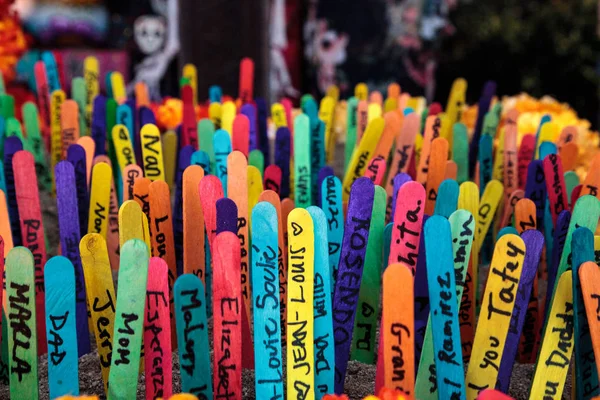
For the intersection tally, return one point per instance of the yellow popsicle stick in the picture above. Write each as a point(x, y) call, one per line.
point(498, 168)
point(334, 92)
point(361, 91)
point(101, 299)
point(214, 113)
point(549, 133)
point(362, 155)
point(152, 154)
point(373, 111)
point(326, 113)
point(133, 224)
point(278, 115)
point(255, 187)
point(91, 72)
point(300, 304)
point(432, 131)
point(496, 312)
point(57, 98)
point(492, 196)
point(118, 87)
point(228, 112)
point(169, 145)
point(123, 147)
point(100, 199)
point(191, 74)
point(557, 347)
point(456, 101)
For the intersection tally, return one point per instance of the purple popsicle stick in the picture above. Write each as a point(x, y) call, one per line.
point(98, 127)
point(261, 125)
point(11, 146)
point(76, 156)
point(184, 161)
point(249, 110)
point(352, 260)
point(489, 90)
point(535, 190)
point(534, 243)
point(282, 159)
point(399, 180)
point(146, 117)
point(560, 236)
point(324, 172)
point(68, 225)
point(421, 291)
point(227, 214)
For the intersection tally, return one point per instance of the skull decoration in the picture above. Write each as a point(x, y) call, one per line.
point(150, 33)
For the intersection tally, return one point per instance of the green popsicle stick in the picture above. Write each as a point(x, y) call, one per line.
point(571, 180)
point(31, 125)
point(257, 159)
point(462, 225)
point(2, 86)
point(367, 312)
point(129, 321)
point(350, 130)
point(206, 131)
point(79, 93)
point(302, 176)
point(460, 151)
point(22, 333)
point(7, 106)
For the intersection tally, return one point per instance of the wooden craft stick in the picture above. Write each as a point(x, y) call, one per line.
point(402, 154)
point(485, 161)
point(302, 162)
point(300, 312)
point(490, 199)
point(408, 221)
point(351, 129)
point(317, 152)
point(536, 189)
point(511, 173)
point(43, 96)
point(273, 178)
point(214, 113)
point(68, 224)
point(246, 87)
point(210, 191)
point(227, 216)
point(393, 125)
point(249, 110)
point(133, 224)
point(227, 316)
point(191, 74)
point(222, 148)
point(129, 320)
point(591, 183)
point(21, 324)
point(492, 394)
point(99, 124)
point(12, 146)
point(123, 148)
point(490, 336)
point(534, 243)
point(240, 138)
point(69, 123)
point(267, 330)
point(569, 154)
point(255, 187)
point(436, 172)
point(189, 133)
point(192, 333)
point(460, 151)
point(282, 158)
point(157, 335)
point(555, 185)
point(52, 70)
point(356, 231)
point(432, 131)
point(31, 124)
point(571, 182)
point(77, 157)
point(326, 114)
point(228, 113)
point(555, 354)
point(31, 228)
point(524, 157)
point(100, 295)
point(5, 232)
point(462, 225)
point(448, 198)
point(130, 174)
point(362, 154)
point(57, 99)
point(366, 319)
point(548, 132)
point(99, 199)
point(525, 215)
point(451, 170)
point(91, 72)
point(152, 153)
point(89, 146)
point(193, 224)
point(398, 329)
point(456, 100)
point(161, 229)
point(589, 277)
point(361, 91)
point(61, 329)
point(509, 207)
point(206, 131)
point(444, 308)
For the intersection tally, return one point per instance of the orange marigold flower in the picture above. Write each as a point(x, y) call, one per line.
point(335, 397)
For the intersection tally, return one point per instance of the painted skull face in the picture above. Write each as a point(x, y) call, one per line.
point(150, 33)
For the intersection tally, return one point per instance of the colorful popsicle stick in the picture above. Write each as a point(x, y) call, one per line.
point(447, 198)
point(222, 148)
point(152, 153)
point(436, 172)
point(193, 224)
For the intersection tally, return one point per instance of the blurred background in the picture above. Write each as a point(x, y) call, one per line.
point(542, 47)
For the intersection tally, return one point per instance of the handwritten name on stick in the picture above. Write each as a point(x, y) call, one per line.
point(398, 328)
point(300, 313)
point(265, 282)
point(20, 317)
point(354, 248)
point(61, 327)
point(129, 320)
point(444, 309)
point(227, 314)
point(497, 308)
